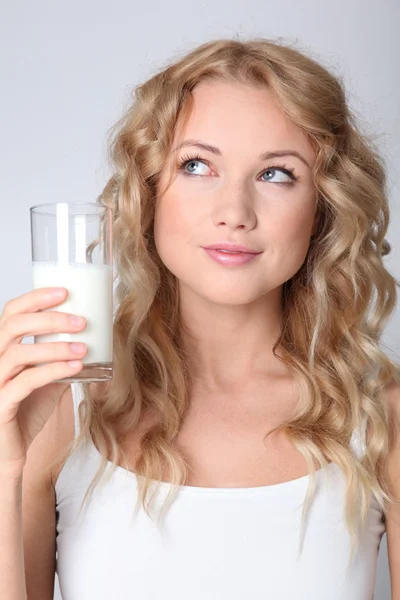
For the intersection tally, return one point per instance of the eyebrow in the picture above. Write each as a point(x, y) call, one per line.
point(263, 156)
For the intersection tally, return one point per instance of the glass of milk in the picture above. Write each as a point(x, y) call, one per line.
point(72, 248)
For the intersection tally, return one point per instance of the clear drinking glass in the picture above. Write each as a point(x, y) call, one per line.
point(72, 248)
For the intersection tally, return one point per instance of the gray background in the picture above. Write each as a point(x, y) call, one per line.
point(67, 70)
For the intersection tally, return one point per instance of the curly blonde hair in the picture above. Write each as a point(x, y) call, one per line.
point(329, 339)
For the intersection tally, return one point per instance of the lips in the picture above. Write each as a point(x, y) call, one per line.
point(231, 251)
point(231, 248)
point(231, 259)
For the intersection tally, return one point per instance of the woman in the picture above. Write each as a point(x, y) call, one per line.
point(250, 217)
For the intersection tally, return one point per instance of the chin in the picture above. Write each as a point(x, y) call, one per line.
point(214, 292)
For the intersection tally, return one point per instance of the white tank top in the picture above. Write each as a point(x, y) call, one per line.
point(216, 544)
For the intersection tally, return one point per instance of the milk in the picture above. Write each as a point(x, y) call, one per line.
point(90, 295)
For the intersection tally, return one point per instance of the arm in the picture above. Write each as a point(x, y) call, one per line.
point(12, 568)
point(39, 520)
point(39, 499)
point(28, 514)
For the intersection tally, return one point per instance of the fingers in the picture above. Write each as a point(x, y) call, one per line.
point(20, 387)
point(33, 301)
point(19, 356)
point(18, 326)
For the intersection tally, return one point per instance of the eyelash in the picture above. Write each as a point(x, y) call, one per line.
point(287, 170)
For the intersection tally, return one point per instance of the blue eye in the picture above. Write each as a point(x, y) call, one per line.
point(184, 162)
point(286, 175)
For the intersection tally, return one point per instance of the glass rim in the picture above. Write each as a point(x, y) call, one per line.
point(34, 209)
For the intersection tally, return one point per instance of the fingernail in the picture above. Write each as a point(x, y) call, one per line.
point(58, 292)
point(74, 364)
point(77, 347)
point(77, 321)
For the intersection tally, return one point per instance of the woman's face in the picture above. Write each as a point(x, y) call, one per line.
point(232, 195)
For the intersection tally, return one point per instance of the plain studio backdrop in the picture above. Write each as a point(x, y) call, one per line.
point(67, 71)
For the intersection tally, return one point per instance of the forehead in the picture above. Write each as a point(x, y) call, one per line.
point(233, 116)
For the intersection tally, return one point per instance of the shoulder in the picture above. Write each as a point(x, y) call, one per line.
point(391, 396)
point(44, 457)
point(392, 517)
point(391, 399)
point(61, 434)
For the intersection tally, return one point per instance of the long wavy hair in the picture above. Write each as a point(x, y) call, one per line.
point(334, 308)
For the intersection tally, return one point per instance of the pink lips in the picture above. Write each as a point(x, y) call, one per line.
point(231, 259)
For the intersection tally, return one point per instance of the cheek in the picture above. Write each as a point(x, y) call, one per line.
point(291, 241)
point(294, 223)
point(172, 229)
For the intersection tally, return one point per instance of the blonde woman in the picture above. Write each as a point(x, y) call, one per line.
point(248, 443)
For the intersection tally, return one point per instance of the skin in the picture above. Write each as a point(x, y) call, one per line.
point(233, 315)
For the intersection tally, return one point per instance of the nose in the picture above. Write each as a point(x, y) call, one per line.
point(233, 209)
